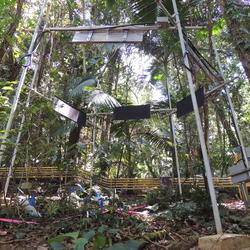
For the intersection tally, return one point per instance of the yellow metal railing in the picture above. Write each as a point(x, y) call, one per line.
point(118, 183)
point(40, 172)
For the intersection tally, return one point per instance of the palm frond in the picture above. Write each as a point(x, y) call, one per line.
point(99, 99)
point(110, 3)
point(81, 86)
point(148, 10)
point(159, 141)
point(145, 10)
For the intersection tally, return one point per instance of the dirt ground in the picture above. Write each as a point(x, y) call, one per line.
point(35, 236)
point(158, 232)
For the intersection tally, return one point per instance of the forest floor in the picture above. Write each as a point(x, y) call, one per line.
point(128, 223)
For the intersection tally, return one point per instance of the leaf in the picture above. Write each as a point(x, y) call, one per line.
point(167, 214)
point(73, 235)
point(88, 235)
point(110, 3)
point(102, 228)
point(129, 245)
point(114, 231)
point(158, 77)
point(80, 243)
point(20, 235)
point(7, 88)
point(100, 241)
point(62, 237)
point(99, 98)
point(154, 207)
point(88, 88)
point(57, 246)
point(3, 233)
point(78, 90)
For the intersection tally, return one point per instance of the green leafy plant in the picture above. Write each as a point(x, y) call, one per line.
point(128, 245)
point(58, 242)
point(163, 197)
point(101, 237)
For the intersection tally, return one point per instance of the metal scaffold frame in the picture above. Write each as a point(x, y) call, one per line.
point(198, 124)
point(186, 47)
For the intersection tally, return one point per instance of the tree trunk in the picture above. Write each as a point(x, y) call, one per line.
point(236, 13)
point(11, 30)
point(220, 113)
point(73, 139)
point(150, 169)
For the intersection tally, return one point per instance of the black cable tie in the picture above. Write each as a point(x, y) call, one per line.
point(29, 62)
point(189, 69)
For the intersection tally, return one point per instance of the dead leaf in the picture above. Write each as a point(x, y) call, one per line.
point(3, 233)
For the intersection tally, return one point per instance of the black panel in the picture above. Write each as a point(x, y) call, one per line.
point(69, 111)
point(132, 112)
point(185, 106)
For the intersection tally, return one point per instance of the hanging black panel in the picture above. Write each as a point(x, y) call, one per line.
point(185, 106)
point(69, 111)
point(132, 112)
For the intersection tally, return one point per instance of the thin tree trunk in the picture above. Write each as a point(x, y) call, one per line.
point(73, 139)
point(236, 14)
point(220, 113)
point(11, 30)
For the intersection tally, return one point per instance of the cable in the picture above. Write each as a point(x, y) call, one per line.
point(188, 43)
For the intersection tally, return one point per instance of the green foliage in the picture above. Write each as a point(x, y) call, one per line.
point(57, 242)
point(7, 89)
point(163, 197)
point(100, 237)
point(185, 209)
point(81, 86)
point(129, 245)
point(202, 200)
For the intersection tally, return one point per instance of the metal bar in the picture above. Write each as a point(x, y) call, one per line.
point(234, 116)
point(152, 110)
point(38, 93)
point(199, 125)
point(20, 132)
point(219, 87)
point(174, 140)
point(159, 2)
point(93, 147)
point(21, 128)
point(136, 27)
point(20, 84)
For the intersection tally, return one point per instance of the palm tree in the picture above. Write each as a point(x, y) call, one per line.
point(91, 99)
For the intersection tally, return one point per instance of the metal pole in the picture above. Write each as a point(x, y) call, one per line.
point(125, 27)
point(19, 134)
point(234, 117)
point(20, 84)
point(199, 125)
point(172, 124)
point(93, 148)
point(22, 121)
